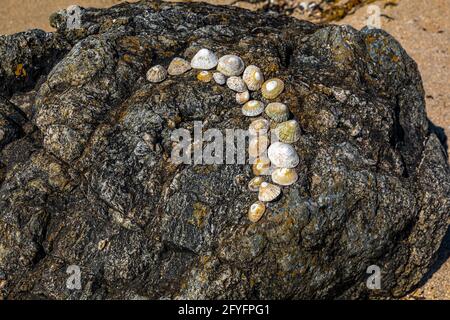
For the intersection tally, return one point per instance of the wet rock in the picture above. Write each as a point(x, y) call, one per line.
point(86, 179)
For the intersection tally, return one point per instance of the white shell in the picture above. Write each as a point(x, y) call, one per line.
point(219, 78)
point(204, 59)
point(156, 74)
point(268, 192)
point(178, 66)
point(230, 65)
point(236, 84)
point(242, 97)
point(284, 176)
point(253, 108)
point(283, 155)
point(253, 77)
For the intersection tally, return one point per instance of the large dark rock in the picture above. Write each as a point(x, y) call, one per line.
point(86, 178)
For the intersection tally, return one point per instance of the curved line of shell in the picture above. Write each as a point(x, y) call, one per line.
point(280, 154)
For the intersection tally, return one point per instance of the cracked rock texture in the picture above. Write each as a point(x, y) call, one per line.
point(86, 177)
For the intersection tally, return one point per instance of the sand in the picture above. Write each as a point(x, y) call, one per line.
point(421, 26)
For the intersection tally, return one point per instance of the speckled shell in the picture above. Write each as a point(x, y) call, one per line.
point(268, 192)
point(231, 65)
point(254, 184)
point(253, 108)
point(284, 176)
point(283, 155)
point(178, 66)
point(204, 76)
point(242, 97)
point(253, 77)
point(258, 145)
point(156, 74)
point(236, 84)
point(261, 166)
point(288, 131)
point(256, 211)
point(204, 59)
point(277, 111)
point(219, 78)
point(272, 88)
point(259, 126)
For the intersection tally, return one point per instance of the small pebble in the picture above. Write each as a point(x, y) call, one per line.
point(219, 78)
point(102, 244)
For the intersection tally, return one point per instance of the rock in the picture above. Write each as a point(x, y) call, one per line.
point(86, 177)
point(11, 121)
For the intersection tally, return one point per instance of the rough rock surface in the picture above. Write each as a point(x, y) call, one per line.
point(85, 175)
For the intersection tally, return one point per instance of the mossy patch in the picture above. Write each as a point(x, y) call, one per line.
point(199, 215)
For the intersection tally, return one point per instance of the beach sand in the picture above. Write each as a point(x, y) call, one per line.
point(421, 26)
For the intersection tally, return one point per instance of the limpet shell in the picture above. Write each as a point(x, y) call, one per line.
point(256, 211)
point(242, 97)
point(259, 127)
point(178, 66)
point(204, 59)
point(253, 108)
point(254, 184)
point(219, 78)
point(268, 192)
point(261, 166)
point(230, 65)
point(277, 111)
point(258, 145)
point(204, 76)
point(253, 77)
point(156, 74)
point(288, 131)
point(283, 155)
point(272, 88)
point(236, 84)
point(284, 176)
